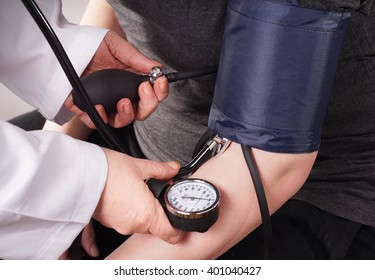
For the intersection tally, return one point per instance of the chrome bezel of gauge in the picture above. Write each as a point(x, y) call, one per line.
point(195, 214)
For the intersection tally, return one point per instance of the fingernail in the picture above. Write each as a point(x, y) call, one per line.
point(162, 84)
point(147, 88)
point(127, 108)
point(94, 251)
point(174, 165)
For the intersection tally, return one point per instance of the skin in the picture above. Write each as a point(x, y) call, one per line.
point(282, 175)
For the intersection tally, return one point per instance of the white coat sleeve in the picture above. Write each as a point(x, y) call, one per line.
point(50, 185)
point(28, 66)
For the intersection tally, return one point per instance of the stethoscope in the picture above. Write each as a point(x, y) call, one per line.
point(191, 204)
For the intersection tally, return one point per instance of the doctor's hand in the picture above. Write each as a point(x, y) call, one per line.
point(88, 243)
point(116, 53)
point(127, 205)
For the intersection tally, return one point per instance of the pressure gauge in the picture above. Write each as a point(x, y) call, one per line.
point(192, 204)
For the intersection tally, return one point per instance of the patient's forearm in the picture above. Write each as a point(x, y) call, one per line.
point(100, 14)
point(282, 175)
point(75, 128)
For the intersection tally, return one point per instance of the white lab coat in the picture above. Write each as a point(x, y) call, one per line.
point(50, 183)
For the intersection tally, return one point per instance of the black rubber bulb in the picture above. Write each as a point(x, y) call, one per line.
point(108, 86)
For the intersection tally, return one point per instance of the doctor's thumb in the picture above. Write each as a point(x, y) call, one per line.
point(160, 170)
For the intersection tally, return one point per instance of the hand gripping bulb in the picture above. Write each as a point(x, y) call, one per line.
point(108, 86)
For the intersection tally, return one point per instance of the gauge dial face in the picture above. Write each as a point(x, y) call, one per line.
point(192, 196)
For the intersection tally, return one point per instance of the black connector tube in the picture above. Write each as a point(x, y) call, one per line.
point(262, 200)
point(177, 76)
point(72, 76)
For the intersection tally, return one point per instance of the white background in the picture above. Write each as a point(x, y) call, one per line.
point(283, 270)
point(11, 105)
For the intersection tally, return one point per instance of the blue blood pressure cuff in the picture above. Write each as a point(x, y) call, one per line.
point(276, 71)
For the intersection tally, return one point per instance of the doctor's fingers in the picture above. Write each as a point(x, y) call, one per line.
point(155, 169)
point(141, 110)
point(161, 88)
point(127, 54)
point(149, 99)
point(121, 118)
point(124, 115)
point(161, 227)
point(87, 120)
point(88, 240)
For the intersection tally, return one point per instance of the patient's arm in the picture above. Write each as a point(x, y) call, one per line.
point(282, 176)
point(75, 128)
point(100, 14)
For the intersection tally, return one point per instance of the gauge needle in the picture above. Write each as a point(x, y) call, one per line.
point(194, 197)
